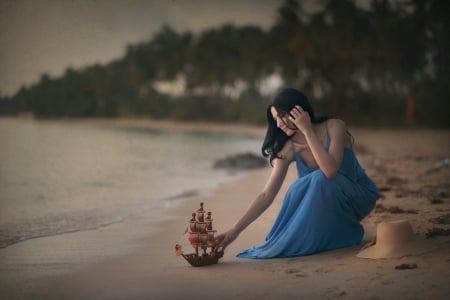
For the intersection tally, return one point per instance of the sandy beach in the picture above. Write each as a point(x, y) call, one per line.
point(410, 167)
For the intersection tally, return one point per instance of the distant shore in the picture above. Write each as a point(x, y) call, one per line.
point(169, 125)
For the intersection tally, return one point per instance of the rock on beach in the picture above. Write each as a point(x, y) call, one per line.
point(242, 161)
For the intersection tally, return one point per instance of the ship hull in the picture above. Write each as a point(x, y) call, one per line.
point(202, 260)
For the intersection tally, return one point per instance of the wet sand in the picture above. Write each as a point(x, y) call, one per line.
point(410, 167)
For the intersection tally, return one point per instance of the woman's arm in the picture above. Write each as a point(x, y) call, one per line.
point(329, 162)
point(260, 203)
point(265, 198)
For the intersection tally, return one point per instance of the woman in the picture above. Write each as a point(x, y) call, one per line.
point(323, 208)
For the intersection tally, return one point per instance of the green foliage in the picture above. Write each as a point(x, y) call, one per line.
point(355, 63)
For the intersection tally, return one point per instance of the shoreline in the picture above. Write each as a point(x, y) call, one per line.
point(170, 202)
point(166, 124)
point(144, 265)
point(174, 196)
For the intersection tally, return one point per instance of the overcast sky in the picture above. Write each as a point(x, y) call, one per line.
point(38, 36)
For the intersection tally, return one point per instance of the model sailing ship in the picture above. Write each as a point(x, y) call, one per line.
point(201, 237)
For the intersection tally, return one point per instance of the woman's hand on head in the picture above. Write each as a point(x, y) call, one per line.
point(225, 239)
point(300, 118)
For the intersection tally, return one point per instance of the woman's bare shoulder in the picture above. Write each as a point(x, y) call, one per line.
point(336, 124)
point(337, 130)
point(287, 152)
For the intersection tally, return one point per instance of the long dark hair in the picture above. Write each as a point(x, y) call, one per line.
point(284, 102)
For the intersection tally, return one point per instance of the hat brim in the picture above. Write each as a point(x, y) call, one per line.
point(414, 247)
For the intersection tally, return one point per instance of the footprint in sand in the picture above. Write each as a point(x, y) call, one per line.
point(322, 270)
point(335, 291)
point(290, 271)
point(377, 276)
point(297, 272)
point(387, 282)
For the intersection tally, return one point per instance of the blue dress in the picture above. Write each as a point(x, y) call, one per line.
point(320, 214)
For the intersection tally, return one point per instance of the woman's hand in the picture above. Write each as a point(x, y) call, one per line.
point(224, 239)
point(300, 118)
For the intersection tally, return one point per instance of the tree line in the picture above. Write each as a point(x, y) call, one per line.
point(386, 64)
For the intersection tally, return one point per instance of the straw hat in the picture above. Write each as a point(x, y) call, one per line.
point(395, 239)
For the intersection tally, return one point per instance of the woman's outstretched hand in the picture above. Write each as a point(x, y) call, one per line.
point(225, 239)
point(300, 118)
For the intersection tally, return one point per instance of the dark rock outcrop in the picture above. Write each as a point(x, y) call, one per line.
point(243, 161)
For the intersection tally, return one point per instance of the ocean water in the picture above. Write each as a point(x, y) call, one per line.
point(62, 176)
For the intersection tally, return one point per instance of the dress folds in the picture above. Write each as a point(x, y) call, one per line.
point(320, 214)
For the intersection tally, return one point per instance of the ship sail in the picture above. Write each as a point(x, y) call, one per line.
point(201, 237)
